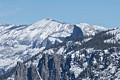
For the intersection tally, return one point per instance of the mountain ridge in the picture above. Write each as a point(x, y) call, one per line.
point(20, 43)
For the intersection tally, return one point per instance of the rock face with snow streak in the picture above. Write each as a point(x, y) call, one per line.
point(21, 72)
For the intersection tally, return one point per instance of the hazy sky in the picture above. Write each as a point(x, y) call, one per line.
point(99, 12)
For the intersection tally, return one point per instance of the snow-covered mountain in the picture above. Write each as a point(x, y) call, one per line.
point(59, 50)
point(21, 42)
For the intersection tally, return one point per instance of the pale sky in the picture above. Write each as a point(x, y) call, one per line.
point(95, 12)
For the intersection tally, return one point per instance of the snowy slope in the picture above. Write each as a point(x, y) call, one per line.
point(116, 38)
point(89, 30)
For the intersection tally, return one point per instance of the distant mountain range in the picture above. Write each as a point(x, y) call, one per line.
point(52, 50)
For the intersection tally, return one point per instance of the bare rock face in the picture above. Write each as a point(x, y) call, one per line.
point(21, 72)
point(49, 67)
point(32, 73)
point(24, 72)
